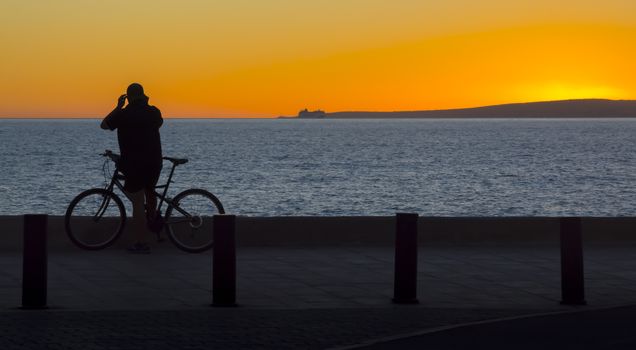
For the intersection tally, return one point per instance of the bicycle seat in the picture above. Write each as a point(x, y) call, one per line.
point(176, 161)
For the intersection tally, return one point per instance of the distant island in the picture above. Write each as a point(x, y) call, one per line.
point(587, 108)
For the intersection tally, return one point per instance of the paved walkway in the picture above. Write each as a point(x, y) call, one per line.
point(599, 329)
point(221, 328)
point(292, 297)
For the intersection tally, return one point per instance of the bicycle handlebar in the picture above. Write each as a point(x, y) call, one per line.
point(113, 156)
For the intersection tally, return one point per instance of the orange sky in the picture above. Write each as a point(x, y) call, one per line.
point(245, 58)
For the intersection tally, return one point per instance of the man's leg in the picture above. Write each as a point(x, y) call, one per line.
point(151, 203)
point(139, 215)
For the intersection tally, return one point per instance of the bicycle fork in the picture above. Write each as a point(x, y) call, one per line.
point(102, 208)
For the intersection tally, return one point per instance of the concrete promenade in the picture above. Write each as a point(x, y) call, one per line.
point(312, 296)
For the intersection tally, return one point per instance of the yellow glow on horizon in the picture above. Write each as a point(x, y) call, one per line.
point(510, 65)
point(563, 91)
point(241, 58)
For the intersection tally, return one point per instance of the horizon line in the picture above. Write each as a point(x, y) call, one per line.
point(344, 111)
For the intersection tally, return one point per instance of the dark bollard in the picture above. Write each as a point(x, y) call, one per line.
point(405, 283)
point(34, 260)
point(572, 278)
point(224, 261)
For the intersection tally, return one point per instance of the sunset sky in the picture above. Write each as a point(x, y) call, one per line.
point(264, 58)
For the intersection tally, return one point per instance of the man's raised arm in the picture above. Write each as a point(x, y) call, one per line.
point(107, 123)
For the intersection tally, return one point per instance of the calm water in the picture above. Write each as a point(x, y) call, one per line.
point(347, 167)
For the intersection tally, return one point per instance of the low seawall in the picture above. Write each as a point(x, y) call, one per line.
point(369, 231)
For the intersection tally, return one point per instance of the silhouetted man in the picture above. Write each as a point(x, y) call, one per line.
point(137, 127)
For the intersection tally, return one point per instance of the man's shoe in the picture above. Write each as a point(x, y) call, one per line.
point(139, 248)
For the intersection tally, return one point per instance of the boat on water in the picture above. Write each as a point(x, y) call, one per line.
point(307, 114)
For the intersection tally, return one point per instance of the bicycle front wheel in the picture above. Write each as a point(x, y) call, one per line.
point(95, 219)
point(189, 220)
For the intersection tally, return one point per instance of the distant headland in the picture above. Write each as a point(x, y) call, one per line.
point(586, 108)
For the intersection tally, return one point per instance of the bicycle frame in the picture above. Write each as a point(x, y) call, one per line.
point(115, 182)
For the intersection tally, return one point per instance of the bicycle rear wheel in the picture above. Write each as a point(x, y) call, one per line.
point(189, 220)
point(95, 219)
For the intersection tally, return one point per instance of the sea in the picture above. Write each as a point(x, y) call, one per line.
point(377, 167)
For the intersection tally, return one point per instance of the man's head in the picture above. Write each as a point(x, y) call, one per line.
point(135, 92)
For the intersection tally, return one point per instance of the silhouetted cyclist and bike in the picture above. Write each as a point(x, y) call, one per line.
point(96, 217)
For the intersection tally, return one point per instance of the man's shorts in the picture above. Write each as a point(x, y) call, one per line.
point(140, 178)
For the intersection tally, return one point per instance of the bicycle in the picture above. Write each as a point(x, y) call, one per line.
point(95, 218)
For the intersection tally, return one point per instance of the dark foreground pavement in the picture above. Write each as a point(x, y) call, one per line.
point(600, 329)
point(222, 328)
point(309, 298)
